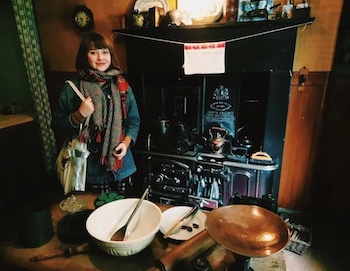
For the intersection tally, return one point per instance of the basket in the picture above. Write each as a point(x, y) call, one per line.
point(300, 230)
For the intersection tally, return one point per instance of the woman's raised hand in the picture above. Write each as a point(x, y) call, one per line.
point(86, 107)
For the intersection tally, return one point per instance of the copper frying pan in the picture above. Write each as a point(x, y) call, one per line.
point(248, 230)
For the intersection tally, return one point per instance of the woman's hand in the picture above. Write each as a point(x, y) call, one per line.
point(86, 107)
point(120, 151)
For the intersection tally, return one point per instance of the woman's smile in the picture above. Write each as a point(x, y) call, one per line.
point(99, 59)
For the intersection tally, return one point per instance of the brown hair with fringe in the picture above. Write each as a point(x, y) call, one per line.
point(91, 41)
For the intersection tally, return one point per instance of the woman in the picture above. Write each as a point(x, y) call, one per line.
point(109, 136)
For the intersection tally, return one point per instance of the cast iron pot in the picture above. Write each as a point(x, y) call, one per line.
point(178, 129)
point(71, 228)
point(160, 127)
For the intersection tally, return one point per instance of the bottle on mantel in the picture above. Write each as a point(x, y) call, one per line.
point(287, 10)
point(230, 11)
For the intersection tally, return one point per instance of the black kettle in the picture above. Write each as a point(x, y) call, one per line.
point(243, 138)
point(178, 129)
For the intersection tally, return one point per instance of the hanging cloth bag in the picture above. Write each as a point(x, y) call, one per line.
point(71, 162)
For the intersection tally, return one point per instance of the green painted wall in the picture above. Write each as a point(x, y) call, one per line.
point(14, 86)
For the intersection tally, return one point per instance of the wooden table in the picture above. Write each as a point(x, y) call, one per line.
point(14, 254)
point(7, 121)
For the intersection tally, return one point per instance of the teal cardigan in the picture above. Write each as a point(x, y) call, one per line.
point(68, 103)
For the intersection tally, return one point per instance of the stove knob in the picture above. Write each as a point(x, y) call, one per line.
point(160, 179)
point(199, 168)
point(177, 180)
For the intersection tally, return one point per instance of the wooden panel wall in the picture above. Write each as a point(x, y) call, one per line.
point(60, 41)
point(301, 142)
point(316, 43)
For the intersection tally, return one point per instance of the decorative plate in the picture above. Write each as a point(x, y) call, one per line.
point(174, 214)
point(204, 8)
point(145, 5)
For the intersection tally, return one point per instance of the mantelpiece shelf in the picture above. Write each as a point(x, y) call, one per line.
point(237, 29)
point(263, 45)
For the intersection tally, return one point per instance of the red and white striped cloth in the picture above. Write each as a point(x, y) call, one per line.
point(204, 58)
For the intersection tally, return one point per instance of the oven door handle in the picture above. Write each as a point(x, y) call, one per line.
point(168, 161)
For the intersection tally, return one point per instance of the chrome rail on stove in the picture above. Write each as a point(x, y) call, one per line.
point(204, 178)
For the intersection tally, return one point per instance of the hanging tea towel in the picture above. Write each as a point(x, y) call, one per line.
point(204, 58)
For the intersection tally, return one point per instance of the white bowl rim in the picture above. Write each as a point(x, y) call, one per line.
point(156, 229)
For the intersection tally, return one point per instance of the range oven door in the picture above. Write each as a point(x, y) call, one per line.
point(211, 187)
point(169, 180)
point(252, 181)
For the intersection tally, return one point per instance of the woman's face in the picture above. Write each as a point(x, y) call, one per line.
point(99, 59)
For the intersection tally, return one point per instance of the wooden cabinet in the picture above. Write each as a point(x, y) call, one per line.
point(21, 160)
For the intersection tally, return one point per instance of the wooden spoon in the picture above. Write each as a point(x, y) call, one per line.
point(120, 234)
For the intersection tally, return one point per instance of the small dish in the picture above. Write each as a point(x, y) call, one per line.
point(174, 214)
point(72, 204)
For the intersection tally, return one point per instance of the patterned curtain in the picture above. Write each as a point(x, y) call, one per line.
point(29, 39)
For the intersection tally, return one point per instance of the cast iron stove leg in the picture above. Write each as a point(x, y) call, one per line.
point(241, 264)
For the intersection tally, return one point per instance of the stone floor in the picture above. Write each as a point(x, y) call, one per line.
point(329, 248)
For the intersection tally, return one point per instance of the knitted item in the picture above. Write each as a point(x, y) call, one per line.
point(123, 87)
point(107, 121)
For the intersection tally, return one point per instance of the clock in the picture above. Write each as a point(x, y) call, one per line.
point(83, 19)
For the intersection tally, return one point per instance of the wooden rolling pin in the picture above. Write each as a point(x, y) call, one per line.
point(184, 252)
point(62, 252)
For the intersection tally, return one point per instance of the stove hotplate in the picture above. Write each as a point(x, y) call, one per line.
point(218, 157)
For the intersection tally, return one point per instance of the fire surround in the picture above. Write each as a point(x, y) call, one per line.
point(266, 46)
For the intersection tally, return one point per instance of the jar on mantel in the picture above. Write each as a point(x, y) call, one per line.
point(230, 11)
